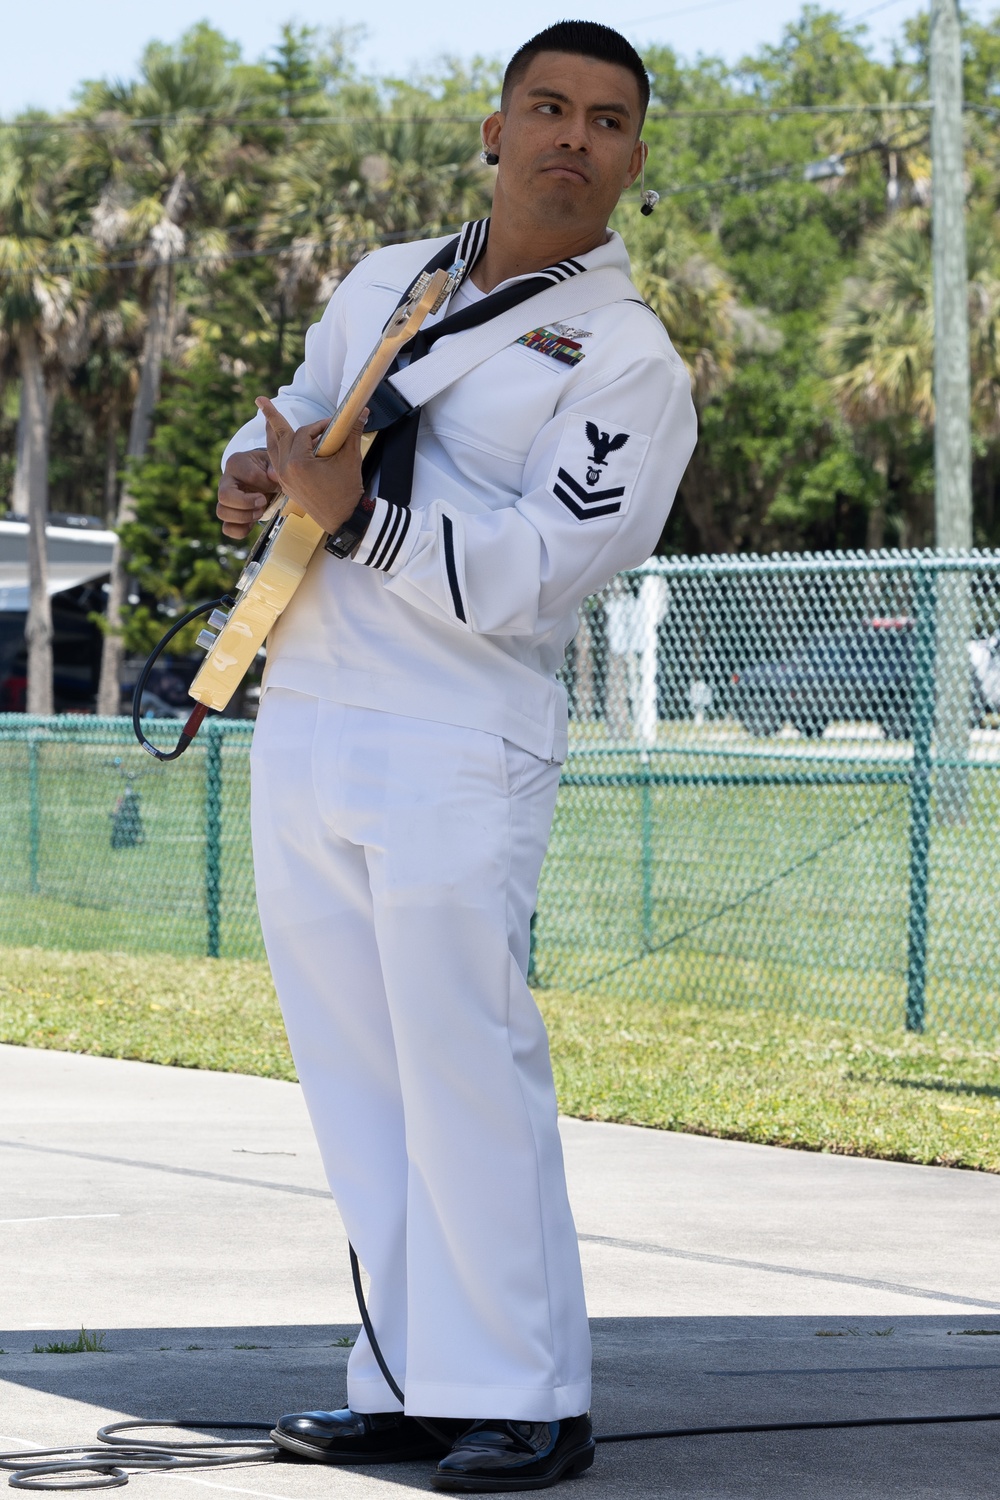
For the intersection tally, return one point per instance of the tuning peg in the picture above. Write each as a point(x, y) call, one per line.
point(218, 618)
point(206, 639)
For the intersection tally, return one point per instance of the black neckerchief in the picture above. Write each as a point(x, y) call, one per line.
point(394, 449)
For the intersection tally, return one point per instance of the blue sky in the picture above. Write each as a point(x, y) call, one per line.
point(50, 44)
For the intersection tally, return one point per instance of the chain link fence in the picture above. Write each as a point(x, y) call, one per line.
point(783, 789)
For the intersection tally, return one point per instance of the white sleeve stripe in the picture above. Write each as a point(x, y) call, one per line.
point(370, 542)
point(385, 536)
point(395, 526)
point(407, 517)
point(382, 547)
point(471, 242)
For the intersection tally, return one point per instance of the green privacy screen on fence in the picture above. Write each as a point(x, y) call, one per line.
point(783, 789)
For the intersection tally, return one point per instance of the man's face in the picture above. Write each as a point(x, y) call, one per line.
point(568, 139)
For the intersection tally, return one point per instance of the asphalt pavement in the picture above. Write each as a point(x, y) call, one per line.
point(185, 1216)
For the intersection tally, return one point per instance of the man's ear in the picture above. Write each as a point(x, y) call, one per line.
point(491, 130)
point(636, 162)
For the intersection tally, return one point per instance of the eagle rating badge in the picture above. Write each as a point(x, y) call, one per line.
point(595, 468)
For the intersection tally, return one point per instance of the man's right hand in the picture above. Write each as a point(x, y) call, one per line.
point(249, 484)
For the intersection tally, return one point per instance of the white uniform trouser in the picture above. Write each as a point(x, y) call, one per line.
point(396, 863)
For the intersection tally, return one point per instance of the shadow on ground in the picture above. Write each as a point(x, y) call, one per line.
point(649, 1372)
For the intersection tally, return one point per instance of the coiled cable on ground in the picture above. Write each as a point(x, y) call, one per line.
point(47, 1468)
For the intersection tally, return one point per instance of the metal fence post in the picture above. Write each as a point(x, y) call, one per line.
point(924, 598)
point(213, 834)
point(34, 815)
point(647, 859)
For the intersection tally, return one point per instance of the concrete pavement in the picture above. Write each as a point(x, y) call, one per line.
point(186, 1215)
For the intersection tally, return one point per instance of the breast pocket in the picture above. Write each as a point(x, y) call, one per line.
point(500, 406)
point(547, 363)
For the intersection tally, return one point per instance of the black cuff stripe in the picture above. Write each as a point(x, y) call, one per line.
point(393, 532)
point(449, 562)
point(378, 540)
point(395, 514)
point(407, 518)
point(399, 529)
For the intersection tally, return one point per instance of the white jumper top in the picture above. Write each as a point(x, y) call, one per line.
point(535, 481)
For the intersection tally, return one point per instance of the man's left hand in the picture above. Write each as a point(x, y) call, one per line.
point(328, 489)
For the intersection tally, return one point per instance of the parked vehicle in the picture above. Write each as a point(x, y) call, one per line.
point(863, 673)
point(76, 652)
point(166, 692)
point(153, 706)
point(985, 658)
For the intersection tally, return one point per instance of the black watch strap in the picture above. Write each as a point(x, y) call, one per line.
point(344, 540)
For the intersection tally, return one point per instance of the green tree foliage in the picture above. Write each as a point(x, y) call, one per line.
point(178, 554)
point(46, 268)
point(879, 346)
point(800, 302)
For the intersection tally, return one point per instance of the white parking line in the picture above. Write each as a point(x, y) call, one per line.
point(21, 1442)
point(51, 1218)
point(231, 1489)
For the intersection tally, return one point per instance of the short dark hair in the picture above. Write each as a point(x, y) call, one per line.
point(585, 39)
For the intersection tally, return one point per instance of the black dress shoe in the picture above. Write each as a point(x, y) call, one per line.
point(516, 1455)
point(349, 1437)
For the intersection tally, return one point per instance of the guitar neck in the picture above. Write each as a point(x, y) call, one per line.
point(428, 293)
point(354, 402)
point(345, 416)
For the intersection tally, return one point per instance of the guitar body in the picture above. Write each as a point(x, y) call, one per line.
point(278, 562)
point(270, 582)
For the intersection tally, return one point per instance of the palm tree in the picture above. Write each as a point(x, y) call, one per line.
point(879, 352)
point(45, 265)
point(339, 192)
point(697, 302)
point(105, 384)
point(169, 176)
point(896, 137)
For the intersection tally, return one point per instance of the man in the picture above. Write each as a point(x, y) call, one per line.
point(405, 767)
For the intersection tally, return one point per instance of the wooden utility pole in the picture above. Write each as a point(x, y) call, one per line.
point(952, 451)
point(168, 240)
point(35, 419)
point(952, 443)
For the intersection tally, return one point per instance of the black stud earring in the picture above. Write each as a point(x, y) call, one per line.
point(488, 158)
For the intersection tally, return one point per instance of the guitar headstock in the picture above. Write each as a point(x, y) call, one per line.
point(429, 292)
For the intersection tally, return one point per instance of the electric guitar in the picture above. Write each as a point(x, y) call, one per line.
point(279, 559)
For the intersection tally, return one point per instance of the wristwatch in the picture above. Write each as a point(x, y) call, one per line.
point(344, 540)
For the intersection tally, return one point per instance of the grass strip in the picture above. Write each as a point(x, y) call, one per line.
point(777, 1078)
point(753, 1075)
point(219, 1014)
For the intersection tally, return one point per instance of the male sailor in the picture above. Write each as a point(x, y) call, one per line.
point(406, 761)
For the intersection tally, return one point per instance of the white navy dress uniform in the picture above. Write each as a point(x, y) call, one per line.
point(404, 773)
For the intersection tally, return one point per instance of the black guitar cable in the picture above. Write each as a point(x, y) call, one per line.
point(46, 1468)
point(199, 711)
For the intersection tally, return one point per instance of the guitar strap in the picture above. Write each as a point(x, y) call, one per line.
point(403, 393)
point(386, 410)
